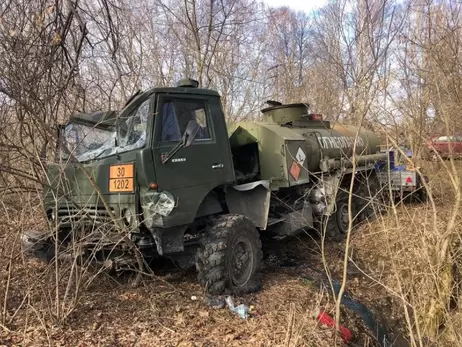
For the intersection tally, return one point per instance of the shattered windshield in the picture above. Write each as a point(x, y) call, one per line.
point(84, 140)
point(87, 142)
point(131, 132)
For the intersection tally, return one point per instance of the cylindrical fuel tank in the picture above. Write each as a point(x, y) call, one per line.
point(336, 142)
point(324, 140)
point(293, 144)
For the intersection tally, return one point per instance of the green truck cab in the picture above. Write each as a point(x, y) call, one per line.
point(171, 176)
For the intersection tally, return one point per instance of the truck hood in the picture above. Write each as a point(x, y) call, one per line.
point(71, 184)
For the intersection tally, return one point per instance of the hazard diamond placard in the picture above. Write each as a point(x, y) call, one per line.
point(295, 170)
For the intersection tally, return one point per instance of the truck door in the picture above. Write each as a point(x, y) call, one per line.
point(195, 170)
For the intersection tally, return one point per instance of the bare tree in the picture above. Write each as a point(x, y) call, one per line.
point(355, 37)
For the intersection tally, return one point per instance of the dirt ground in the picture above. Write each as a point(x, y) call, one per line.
point(163, 312)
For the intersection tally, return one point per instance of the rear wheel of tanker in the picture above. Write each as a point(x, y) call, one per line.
point(229, 257)
point(370, 200)
point(421, 194)
point(337, 224)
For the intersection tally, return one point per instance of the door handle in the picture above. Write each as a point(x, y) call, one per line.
point(218, 166)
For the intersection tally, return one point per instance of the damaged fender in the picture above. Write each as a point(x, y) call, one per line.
point(251, 200)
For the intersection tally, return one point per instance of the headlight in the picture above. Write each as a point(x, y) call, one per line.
point(127, 216)
point(51, 214)
point(165, 204)
point(156, 205)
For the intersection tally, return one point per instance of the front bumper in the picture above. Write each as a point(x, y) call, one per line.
point(42, 247)
point(38, 245)
point(33, 240)
point(66, 215)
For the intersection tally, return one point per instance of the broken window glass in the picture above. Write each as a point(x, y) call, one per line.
point(81, 139)
point(175, 118)
point(132, 132)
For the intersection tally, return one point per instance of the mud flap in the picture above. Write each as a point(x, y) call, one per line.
point(251, 200)
point(295, 222)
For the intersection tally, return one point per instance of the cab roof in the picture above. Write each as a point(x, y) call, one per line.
point(180, 90)
point(183, 86)
point(100, 119)
point(108, 119)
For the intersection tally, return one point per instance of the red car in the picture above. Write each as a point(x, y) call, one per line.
point(445, 146)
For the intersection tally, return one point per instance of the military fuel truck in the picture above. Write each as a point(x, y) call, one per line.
point(168, 175)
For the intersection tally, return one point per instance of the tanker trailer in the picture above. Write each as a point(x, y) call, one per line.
point(309, 164)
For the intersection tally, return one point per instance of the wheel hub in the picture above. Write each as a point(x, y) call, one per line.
point(343, 217)
point(241, 261)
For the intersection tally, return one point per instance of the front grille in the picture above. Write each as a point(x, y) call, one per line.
point(87, 215)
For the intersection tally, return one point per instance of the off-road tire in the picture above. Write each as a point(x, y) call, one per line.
point(370, 200)
point(423, 195)
point(336, 225)
point(214, 257)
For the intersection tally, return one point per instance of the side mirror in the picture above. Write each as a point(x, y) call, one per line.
point(191, 132)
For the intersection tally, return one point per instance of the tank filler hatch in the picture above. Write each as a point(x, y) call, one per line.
point(281, 114)
point(291, 114)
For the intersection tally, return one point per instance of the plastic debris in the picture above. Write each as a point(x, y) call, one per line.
point(242, 310)
point(326, 319)
point(380, 332)
point(214, 302)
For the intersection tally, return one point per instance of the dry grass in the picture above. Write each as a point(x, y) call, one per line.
point(161, 314)
point(399, 253)
point(396, 281)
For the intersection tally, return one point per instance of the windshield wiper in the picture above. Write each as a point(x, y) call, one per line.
point(189, 134)
point(172, 152)
point(100, 154)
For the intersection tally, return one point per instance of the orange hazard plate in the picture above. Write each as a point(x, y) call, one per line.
point(121, 178)
point(295, 170)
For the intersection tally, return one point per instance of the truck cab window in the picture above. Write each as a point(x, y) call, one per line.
point(170, 129)
point(175, 118)
point(133, 132)
point(83, 140)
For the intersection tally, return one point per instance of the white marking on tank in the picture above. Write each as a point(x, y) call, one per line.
point(176, 160)
point(340, 141)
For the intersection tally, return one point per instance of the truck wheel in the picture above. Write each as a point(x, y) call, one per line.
point(370, 199)
point(421, 194)
point(229, 257)
point(337, 223)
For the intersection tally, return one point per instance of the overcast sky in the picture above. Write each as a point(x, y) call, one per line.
point(303, 5)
